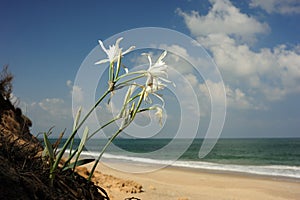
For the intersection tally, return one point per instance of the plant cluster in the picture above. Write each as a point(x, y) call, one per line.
point(119, 77)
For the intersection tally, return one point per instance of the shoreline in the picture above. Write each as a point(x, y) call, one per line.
point(209, 171)
point(276, 170)
point(185, 183)
point(237, 171)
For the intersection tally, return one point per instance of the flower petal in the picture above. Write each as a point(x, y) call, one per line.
point(149, 59)
point(128, 50)
point(102, 46)
point(126, 70)
point(159, 115)
point(118, 41)
point(102, 61)
point(160, 98)
point(162, 56)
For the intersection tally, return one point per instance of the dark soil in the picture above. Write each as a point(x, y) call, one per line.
point(23, 173)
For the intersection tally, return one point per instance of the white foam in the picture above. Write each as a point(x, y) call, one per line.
point(271, 170)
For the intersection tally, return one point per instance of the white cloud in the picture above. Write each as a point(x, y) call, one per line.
point(224, 18)
point(69, 83)
point(186, 92)
point(47, 113)
point(76, 93)
point(55, 107)
point(277, 6)
point(252, 78)
point(268, 74)
point(179, 62)
point(273, 72)
point(235, 98)
point(192, 79)
point(215, 88)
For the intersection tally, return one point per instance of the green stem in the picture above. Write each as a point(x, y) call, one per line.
point(70, 158)
point(66, 144)
point(75, 151)
point(131, 73)
point(118, 67)
point(129, 80)
point(116, 134)
point(108, 123)
point(71, 146)
point(133, 98)
point(74, 127)
point(139, 103)
point(111, 72)
point(102, 152)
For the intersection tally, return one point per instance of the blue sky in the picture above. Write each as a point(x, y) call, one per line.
point(255, 45)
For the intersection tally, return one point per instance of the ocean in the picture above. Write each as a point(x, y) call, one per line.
point(273, 157)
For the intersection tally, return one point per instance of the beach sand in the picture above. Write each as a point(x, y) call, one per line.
point(187, 184)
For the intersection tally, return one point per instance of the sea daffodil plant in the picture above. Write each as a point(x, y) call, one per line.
point(156, 79)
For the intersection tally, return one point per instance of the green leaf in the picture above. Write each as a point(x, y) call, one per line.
point(56, 144)
point(50, 131)
point(79, 163)
point(77, 118)
point(81, 144)
point(76, 121)
point(83, 139)
point(44, 153)
point(48, 147)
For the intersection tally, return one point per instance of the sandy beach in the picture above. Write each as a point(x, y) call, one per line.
point(186, 184)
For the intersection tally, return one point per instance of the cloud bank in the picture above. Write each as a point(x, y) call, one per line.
point(277, 6)
point(252, 77)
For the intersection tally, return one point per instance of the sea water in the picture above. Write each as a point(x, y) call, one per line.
point(275, 157)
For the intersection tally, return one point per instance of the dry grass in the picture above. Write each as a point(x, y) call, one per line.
point(23, 172)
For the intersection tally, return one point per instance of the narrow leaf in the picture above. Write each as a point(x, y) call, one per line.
point(82, 143)
point(83, 139)
point(50, 131)
point(77, 118)
point(48, 147)
point(79, 163)
point(76, 121)
point(56, 144)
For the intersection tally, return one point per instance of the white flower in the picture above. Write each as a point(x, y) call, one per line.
point(154, 86)
point(151, 89)
point(159, 114)
point(127, 114)
point(156, 71)
point(113, 52)
point(156, 76)
point(125, 109)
